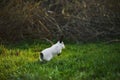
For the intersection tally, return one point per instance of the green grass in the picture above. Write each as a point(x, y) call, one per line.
point(90, 61)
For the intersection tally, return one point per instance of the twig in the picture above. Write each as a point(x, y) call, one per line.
point(48, 41)
point(115, 40)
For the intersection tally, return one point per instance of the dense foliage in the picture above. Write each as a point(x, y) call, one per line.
point(77, 19)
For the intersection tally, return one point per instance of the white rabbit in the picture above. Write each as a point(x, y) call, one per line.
point(48, 53)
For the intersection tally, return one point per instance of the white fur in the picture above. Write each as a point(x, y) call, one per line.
point(52, 51)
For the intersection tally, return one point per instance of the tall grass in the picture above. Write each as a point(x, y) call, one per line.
point(90, 61)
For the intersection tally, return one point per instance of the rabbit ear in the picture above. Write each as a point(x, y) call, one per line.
point(61, 38)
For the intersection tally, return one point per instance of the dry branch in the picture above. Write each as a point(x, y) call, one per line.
point(111, 41)
point(48, 41)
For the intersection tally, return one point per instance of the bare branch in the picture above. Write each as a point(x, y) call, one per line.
point(115, 40)
point(48, 41)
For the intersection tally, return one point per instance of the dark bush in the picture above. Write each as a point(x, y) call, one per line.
point(78, 20)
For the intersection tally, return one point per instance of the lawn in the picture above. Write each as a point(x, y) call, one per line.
point(84, 61)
